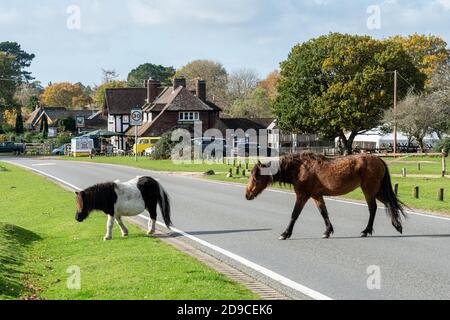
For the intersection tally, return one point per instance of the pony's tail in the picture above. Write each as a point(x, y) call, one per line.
point(164, 204)
point(393, 205)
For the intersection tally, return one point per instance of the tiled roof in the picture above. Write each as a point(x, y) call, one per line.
point(122, 100)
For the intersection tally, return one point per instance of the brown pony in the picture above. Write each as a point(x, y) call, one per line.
point(313, 176)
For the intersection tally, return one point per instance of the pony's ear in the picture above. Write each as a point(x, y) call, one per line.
point(258, 163)
point(77, 193)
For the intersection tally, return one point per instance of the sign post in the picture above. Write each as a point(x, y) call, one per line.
point(136, 120)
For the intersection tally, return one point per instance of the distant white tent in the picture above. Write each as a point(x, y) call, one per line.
point(375, 139)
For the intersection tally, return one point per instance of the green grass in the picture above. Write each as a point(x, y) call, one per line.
point(40, 240)
point(156, 165)
point(428, 165)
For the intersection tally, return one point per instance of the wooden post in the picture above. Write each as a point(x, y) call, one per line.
point(444, 169)
point(404, 172)
point(237, 171)
point(416, 192)
point(396, 189)
point(418, 166)
point(243, 172)
point(230, 173)
point(441, 194)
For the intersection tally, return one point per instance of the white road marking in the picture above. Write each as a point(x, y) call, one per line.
point(268, 273)
point(43, 164)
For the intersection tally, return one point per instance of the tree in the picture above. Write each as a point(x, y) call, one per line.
point(64, 94)
point(22, 59)
point(8, 79)
point(213, 73)
point(241, 83)
point(27, 94)
point(439, 98)
point(256, 104)
point(68, 124)
point(339, 85)
point(270, 84)
point(150, 71)
point(19, 122)
point(99, 92)
point(44, 127)
point(109, 75)
point(415, 117)
point(427, 52)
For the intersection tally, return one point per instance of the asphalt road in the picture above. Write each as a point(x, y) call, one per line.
point(415, 265)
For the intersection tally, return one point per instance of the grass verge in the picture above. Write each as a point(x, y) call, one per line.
point(40, 240)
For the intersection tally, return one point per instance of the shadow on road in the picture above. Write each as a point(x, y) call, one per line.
point(380, 237)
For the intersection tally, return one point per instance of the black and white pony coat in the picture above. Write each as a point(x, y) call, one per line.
point(124, 199)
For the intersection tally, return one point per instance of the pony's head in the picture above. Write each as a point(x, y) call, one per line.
point(257, 181)
point(82, 209)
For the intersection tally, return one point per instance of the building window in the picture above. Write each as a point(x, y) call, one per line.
point(126, 119)
point(189, 116)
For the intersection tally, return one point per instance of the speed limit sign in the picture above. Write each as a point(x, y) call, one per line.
point(136, 117)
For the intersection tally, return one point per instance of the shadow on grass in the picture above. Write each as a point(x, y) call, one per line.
point(13, 243)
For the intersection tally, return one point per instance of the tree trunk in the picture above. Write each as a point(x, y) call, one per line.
point(420, 142)
point(346, 146)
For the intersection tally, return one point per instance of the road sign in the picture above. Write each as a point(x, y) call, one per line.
point(136, 117)
point(79, 121)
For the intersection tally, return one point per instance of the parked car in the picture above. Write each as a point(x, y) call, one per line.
point(143, 143)
point(213, 145)
point(60, 151)
point(149, 151)
point(249, 149)
point(11, 147)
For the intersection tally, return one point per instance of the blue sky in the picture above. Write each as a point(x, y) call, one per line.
point(256, 34)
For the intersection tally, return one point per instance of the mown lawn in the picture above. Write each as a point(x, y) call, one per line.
point(40, 240)
point(417, 165)
point(156, 165)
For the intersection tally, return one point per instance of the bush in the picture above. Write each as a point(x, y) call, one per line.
point(443, 144)
point(163, 149)
point(63, 137)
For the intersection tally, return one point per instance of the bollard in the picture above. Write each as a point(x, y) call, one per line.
point(396, 189)
point(441, 194)
point(237, 171)
point(418, 166)
point(230, 173)
point(416, 192)
point(404, 172)
point(246, 165)
point(243, 172)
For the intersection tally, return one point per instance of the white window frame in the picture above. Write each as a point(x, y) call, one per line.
point(189, 116)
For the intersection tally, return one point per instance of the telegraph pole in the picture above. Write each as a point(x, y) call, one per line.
point(395, 113)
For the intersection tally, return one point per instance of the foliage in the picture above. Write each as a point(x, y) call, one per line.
point(213, 73)
point(99, 92)
point(270, 84)
point(163, 149)
point(63, 138)
point(256, 104)
point(19, 122)
point(339, 85)
point(21, 61)
point(443, 144)
point(44, 127)
point(427, 52)
point(9, 75)
point(68, 124)
point(27, 94)
point(439, 98)
point(415, 117)
point(64, 94)
point(150, 71)
point(241, 83)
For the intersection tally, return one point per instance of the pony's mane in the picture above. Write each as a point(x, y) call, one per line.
point(99, 196)
point(290, 164)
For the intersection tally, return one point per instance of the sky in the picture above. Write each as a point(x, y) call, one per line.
point(74, 40)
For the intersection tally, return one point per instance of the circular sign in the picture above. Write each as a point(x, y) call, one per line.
point(136, 116)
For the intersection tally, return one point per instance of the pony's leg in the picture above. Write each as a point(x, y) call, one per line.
point(109, 227)
point(152, 206)
point(299, 204)
point(320, 203)
point(122, 226)
point(372, 203)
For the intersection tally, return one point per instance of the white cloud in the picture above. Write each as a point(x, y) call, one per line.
point(444, 3)
point(150, 12)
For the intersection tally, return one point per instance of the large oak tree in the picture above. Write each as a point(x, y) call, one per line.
point(339, 85)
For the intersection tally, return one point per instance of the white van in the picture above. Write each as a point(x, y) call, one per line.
point(82, 147)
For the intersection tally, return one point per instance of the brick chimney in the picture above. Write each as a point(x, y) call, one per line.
point(179, 82)
point(152, 89)
point(201, 90)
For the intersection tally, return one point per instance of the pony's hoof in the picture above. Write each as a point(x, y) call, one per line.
point(363, 235)
point(325, 236)
point(284, 236)
point(125, 235)
point(107, 238)
point(151, 232)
